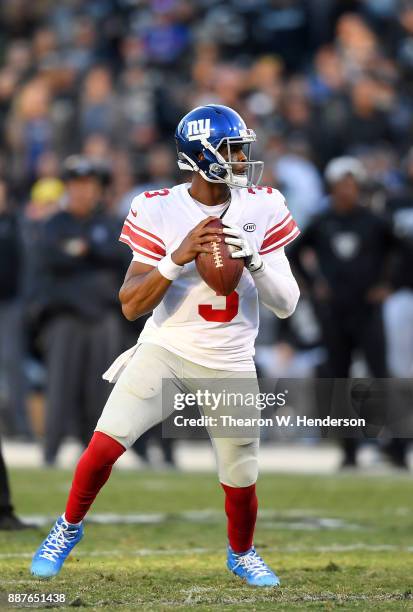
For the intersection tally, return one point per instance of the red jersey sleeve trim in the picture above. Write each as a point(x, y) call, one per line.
point(138, 238)
point(282, 232)
point(138, 249)
point(147, 234)
point(281, 243)
point(277, 225)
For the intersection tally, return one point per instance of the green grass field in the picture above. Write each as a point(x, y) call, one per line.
point(340, 542)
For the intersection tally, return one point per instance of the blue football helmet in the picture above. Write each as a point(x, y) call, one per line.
point(204, 130)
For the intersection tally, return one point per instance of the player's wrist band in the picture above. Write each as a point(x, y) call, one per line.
point(169, 269)
point(259, 269)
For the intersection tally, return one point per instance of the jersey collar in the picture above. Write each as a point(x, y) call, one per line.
point(229, 215)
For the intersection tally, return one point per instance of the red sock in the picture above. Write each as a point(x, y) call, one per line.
point(92, 471)
point(241, 509)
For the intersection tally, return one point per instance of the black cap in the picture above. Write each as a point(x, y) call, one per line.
point(77, 166)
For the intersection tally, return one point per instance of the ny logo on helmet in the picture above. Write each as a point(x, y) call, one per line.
point(198, 129)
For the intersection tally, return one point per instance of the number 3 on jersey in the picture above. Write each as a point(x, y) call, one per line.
point(221, 315)
point(152, 194)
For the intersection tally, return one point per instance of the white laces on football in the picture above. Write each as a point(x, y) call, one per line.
point(57, 540)
point(254, 564)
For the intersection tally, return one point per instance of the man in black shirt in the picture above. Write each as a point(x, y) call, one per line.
point(12, 377)
point(348, 277)
point(11, 346)
point(80, 263)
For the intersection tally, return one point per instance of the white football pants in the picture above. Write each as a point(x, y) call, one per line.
point(135, 405)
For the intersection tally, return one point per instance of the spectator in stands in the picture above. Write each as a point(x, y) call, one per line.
point(31, 128)
point(98, 110)
point(44, 198)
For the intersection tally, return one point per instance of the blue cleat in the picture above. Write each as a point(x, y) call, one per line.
point(52, 553)
point(250, 567)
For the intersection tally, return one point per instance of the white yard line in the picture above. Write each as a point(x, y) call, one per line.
point(294, 457)
point(269, 519)
point(156, 552)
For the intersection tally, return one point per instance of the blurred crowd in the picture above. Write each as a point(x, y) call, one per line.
point(109, 80)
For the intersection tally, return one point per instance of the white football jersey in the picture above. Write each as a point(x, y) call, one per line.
point(192, 321)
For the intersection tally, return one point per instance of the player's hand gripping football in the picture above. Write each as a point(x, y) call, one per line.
point(196, 242)
point(235, 237)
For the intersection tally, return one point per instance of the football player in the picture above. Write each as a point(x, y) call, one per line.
point(193, 334)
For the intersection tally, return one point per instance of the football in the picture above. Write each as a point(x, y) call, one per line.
point(218, 269)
